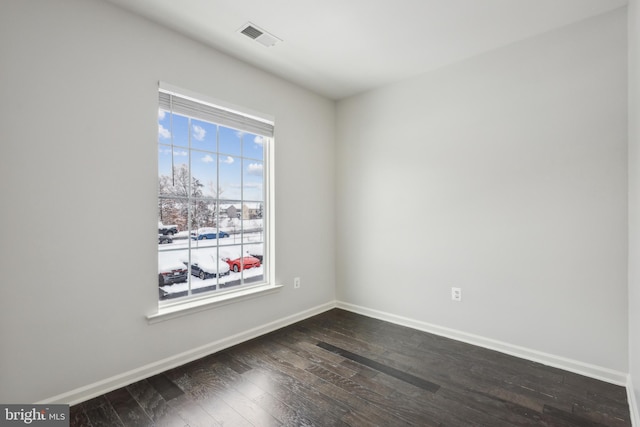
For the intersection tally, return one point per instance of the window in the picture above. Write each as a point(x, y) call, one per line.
point(213, 195)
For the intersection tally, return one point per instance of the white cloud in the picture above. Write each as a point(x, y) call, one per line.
point(198, 132)
point(239, 133)
point(255, 169)
point(161, 114)
point(164, 133)
point(258, 140)
point(229, 160)
point(207, 159)
point(175, 152)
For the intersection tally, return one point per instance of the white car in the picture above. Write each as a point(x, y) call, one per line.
point(206, 266)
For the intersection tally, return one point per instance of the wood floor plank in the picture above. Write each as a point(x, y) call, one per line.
point(283, 412)
point(299, 395)
point(563, 418)
point(154, 404)
point(165, 387)
point(230, 387)
point(194, 414)
point(100, 412)
point(128, 410)
point(603, 414)
point(236, 365)
point(207, 396)
point(308, 349)
point(77, 417)
point(491, 410)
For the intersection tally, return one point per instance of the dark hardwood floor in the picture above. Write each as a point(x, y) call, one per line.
point(343, 369)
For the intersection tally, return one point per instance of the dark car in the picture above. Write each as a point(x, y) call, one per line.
point(164, 239)
point(170, 273)
point(258, 257)
point(167, 230)
point(206, 267)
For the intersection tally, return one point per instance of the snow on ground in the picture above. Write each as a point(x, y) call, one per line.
point(231, 247)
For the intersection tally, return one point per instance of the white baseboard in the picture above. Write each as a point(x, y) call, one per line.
point(109, 384)
point(597, 372)
point(633, 403)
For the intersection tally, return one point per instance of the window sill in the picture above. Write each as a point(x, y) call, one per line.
point(171, 311)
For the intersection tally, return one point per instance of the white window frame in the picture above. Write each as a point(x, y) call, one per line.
point(168, 309)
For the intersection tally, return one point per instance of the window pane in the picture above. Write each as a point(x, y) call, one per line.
point(253, 146)
point(172, 274)
point(203, 135)
point(245, 263)
point(172, 160)
point(204, 173)
point(177, 183)
point(230, 141)
point(252, 229)
point(179, 127)
point(231, 255)
point(205, 269)
point(173, 217)
point(204, 218)
point(230, 178)
point(229, 221)
point(253, 180)
point(164, 127)
point(165, 166)
point(254, 270)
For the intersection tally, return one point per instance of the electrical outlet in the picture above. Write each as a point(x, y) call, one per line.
point(456, 294)
point(296, 282)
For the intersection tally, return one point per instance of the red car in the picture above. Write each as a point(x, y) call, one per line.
point(239, 264)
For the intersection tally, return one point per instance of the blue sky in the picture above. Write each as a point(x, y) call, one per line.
point(236, 158)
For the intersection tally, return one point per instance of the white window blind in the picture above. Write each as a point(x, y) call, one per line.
point(211, 113)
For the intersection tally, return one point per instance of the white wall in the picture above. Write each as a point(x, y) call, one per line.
point(78, 132)
point(504, 175)
point(634, 198)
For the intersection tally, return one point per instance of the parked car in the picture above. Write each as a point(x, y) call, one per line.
point(243, 263)
point(256, 251)
point(259, 257)
point(206, 267)
point(209, 233)
point(164, 239)
point(170, 273)
point(167, 230)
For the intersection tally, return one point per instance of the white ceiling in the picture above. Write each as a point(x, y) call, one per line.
point(341, 47)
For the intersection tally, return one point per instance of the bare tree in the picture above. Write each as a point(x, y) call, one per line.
point(174, 194)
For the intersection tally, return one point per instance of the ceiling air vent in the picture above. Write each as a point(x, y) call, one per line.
point(261, 36)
